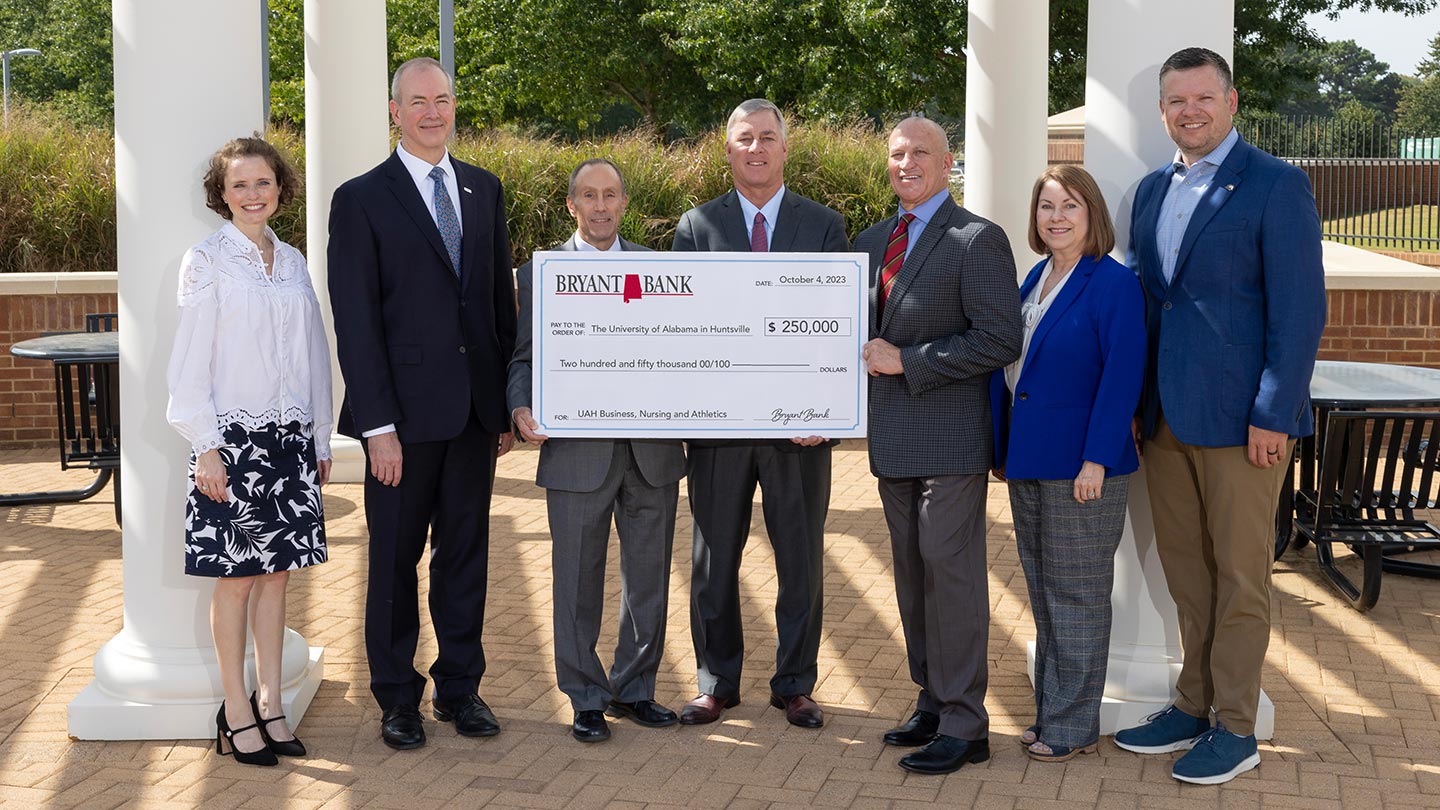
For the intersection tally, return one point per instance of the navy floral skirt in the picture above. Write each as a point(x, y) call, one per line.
point(274, 520)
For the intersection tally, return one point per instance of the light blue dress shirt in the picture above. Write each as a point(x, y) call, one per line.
point(1188, 186)
point(923, 213)
point(770, 209)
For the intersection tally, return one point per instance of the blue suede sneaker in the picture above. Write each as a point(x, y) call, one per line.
point(1218, 757)
point(1163, 732)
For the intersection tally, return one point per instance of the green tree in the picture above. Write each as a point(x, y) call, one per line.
point(75, 73)
point(1268, 33)
point(1345, 74)
point(1419, 108)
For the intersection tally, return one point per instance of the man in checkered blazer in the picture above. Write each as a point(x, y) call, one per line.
point(945, 312)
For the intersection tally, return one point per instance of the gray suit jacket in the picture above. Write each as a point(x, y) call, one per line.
point(804, 226)
point(954, 312)
point(580, 465)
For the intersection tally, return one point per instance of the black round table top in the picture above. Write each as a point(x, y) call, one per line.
point(1339, 384)
point(96, 346)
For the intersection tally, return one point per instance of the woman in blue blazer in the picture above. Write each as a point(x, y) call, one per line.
point(1063, 444)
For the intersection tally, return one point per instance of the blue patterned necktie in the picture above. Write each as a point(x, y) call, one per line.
point(445, 218)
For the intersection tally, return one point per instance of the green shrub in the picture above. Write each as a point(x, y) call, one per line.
point(57, 186)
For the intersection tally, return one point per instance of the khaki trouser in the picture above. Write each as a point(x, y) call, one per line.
point(1215, 530)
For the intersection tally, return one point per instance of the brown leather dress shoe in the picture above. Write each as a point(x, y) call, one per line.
point(800, 710)
point(706, 709)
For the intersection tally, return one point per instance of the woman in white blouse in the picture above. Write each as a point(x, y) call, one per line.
point(249, 384)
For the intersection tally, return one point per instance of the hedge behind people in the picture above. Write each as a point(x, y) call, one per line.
point(57, 185)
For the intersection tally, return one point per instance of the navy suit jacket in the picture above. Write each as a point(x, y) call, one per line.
point(1233, 336)
point(419, 347)
point(1077, 391)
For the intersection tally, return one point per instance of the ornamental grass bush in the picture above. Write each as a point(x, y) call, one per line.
point(57, 185)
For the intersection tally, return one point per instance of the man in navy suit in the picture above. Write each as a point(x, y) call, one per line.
point(1226, 241)
point(424, 303)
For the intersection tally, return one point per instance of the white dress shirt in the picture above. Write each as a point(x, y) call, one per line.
point(251, 348)
point(1032, 311)
point(583, 246)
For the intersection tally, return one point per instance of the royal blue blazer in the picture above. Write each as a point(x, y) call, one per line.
point(1078, 389)
point(1233, 335)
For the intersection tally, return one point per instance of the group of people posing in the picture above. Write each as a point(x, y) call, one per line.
point(1198, 355)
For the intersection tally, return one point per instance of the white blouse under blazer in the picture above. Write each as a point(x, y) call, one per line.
point(251, 348)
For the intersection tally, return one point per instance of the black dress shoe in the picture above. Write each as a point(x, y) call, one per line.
point(401, 729)
point(645, 712)
point(918, 730)
point(946, 754)
point(590, 726)
point(472, 718)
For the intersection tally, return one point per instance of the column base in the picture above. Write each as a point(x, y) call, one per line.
point(1117, 713)
point(96, 714)
point(347, 464)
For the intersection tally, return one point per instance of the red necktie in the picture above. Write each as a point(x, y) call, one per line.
point(894, 260)
point(758, 242)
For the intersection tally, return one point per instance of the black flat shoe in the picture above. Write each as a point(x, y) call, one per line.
point(472, 718)
point(224, 735)
point(285, 748)
point(590, 726)
point(400, 727)
point(644, 712)
point(946, 754)
point(918, 730)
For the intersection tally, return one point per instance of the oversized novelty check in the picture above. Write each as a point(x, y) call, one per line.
point(699, 345)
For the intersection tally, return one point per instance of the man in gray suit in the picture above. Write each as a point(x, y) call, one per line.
point(945, 312)
point(587, 481)
point(794, 476)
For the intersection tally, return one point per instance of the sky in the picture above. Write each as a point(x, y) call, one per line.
point(1402, 41)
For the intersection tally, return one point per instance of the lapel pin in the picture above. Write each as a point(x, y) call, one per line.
point(468, 191)
point(1228, 187)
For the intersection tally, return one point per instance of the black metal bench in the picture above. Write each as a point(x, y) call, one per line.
point(1376, 471)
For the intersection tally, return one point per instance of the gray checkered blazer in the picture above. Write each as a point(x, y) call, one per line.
point(954, 311)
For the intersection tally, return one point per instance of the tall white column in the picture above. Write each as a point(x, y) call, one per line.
point(187, 79)
point(1006, 102)
point(347, 132)
point(1125, 139)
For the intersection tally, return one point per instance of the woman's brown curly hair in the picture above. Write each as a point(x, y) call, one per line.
point(214, 183)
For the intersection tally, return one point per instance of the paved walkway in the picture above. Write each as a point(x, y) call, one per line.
point(1357, 696)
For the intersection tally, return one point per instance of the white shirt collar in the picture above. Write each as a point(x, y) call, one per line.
point(771, 209)
point(583, 246)
point(419, 168)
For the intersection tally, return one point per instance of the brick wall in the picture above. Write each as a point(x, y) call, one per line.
point(27, 387)
point(1383, 326)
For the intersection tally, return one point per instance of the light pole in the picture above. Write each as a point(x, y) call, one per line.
point(5, 57)
point(447, 37)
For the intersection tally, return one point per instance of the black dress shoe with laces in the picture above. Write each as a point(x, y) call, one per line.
point(645, 712)
point(918, 730)
point(400, 727)
point(590, 726)
point(472, 718)
point(946, 754)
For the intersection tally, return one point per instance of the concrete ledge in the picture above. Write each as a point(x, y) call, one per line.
point(53, 283)
point(1351, 268)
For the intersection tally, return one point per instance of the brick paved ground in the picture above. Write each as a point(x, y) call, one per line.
point(1357, 696)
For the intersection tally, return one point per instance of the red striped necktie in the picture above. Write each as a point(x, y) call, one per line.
point(894, 260)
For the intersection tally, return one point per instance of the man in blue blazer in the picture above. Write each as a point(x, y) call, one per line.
point(1226, 241)
point(424, 303)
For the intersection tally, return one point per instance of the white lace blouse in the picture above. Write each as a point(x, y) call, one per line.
point(251, 348)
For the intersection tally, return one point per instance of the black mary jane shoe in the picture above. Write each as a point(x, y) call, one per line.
point(590, 726)
point(946, 754)
point(918, 730)
point(285, 748)
point(644, 712)
point(224, 735)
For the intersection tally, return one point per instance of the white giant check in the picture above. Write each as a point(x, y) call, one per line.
point(699, 345)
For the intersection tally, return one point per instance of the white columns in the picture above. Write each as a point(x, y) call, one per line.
point(1006, 98)
point(1124, 139)
point(187, 79)
point(347, 132)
